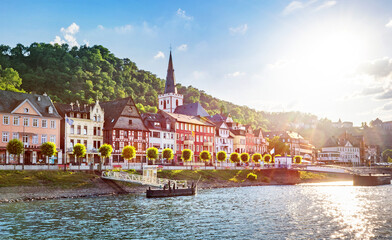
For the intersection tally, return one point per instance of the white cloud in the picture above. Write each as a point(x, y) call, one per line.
point(293, 6)
point(159, 55)
point(239, 30)
point(123, 29)
point(181, 13)
point(68, 34)
point(182, 47)
point(326, 4)
point(71, 29)
point(389, 24)
point(57, 40)
point(101, 27)
point(234, 74)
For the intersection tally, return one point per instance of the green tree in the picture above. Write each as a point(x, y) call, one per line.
point(15, 147)
point(152, 154)
point(79, 150)
point(221, 156)
point(106, 151)
point(244, 157)
point(386, 154)
point(128, 153)
point(205, 156)
point(48, 149)
point(279, 146)
point(167, 154)
point(10, 80)
point(186, 155)
point(256, 157)
point(235, 157)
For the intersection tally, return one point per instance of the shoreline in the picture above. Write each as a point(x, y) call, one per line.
point(31, 194)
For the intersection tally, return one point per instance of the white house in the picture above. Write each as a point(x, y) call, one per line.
point(340, 151)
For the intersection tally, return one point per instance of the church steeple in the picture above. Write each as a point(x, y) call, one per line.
point(170, 86)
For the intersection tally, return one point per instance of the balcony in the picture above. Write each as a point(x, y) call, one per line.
point(208, 144)
point(189, 142)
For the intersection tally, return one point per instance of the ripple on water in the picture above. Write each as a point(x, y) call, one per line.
point(267, 212)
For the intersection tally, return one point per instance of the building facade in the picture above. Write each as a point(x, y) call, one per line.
point(32, 119)
point(124, 126)
point(81, 123)
point(339, 151)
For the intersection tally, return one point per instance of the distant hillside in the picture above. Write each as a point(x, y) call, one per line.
point(89, 73)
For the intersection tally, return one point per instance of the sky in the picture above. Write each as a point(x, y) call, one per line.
point(331, 58)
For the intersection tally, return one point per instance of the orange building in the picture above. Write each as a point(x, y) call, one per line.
point(32, 119)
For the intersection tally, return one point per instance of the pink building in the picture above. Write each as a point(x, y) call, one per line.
point(32, 119)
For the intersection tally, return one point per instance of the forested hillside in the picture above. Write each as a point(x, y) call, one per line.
point(89, 73)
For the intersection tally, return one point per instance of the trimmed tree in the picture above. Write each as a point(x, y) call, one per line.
point(128, 153)
point(221, 156)
point(186, 155)
point(205, 156)
point(79, 150)
point(256, 157)
point(48, 149)
point(235, 158)
point(297, 160)
point(15, 147)
point(244, 157)
point(152, 154)
point(267, 158)
point(106, 151)
point(167, 154)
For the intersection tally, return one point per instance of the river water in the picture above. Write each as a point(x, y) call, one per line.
point(308, 211)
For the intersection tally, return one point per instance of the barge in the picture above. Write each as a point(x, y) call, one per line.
point(371, 179)
point(171, 191)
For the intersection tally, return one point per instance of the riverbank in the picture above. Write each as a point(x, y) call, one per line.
point(18, 186)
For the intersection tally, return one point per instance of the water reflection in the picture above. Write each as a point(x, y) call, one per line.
point(270, 212)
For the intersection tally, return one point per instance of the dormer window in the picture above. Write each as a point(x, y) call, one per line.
point(50, 109)
point(71, 114)
point(157, 124)
point(38, 98)
point(130, 121)
point(26, 110)
point(78, 115)
point(85, 116)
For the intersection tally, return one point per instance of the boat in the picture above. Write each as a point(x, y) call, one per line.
point(171, 191)
point(371, 179)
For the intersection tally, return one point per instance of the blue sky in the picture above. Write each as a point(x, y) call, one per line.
point(326, 57)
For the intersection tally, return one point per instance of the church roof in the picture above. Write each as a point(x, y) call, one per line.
point(170, 86)
point(192, 109)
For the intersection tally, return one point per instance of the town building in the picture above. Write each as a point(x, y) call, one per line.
point(192, 132)
point(124, 126)
point(297, 144)
point(81, 123)
point(170, 99)
point(223, 139)
point(162, 130)
point(32, 119)
point(260, 141)
point(340, 150)
point(250, 146)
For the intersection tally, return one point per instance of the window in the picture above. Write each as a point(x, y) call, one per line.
point(126, 134)
point(85, 143)
point(197, 148)
point(35, 139)
point(52, 124)
point(99, 118)
point(95, 118)
point(78, 115)
point(25, 139)
point(35, 122)
point(79, 130)
point(15, 136)
point(71, 115)
point(172, 136)
point(50, 109)
point(177, 126)
point(6, 120)
point(44, 123)
point(53, 138)
point(197, 128)
point(43, 138)
point(85, 116)
point(72, 129)
point(71, 143)
point(99, 131)
point(16, 121)
point(26, 110)
point(164, 135)
point(186, 126)
point(85, 130)
point(130, 121)
point(5, 137)
point(95, 131)
point(25, 122)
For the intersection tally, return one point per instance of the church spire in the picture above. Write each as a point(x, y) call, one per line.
point(170, 86)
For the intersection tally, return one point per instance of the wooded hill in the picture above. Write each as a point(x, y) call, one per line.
point(89, 73)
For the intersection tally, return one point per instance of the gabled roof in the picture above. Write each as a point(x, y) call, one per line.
point(218, 118)
point(10, 100)
point(67, 108)
point(192, 109)
point(258, 132)
point(150, 119)
point(188, 119)
point(238, 132)
point(119, 112)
